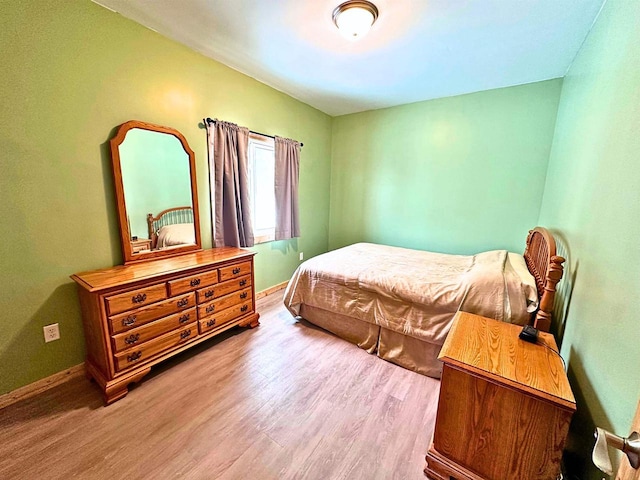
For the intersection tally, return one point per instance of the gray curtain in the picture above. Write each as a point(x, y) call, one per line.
point(228, 169)
point(287, 173)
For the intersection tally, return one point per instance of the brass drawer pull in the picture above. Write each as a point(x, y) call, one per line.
point(131, 339)
point(244, 308)
point(208, 293)
point(211, 323)
point(243, 295)
point(185, 334)
point(210, 308)
point(130, 320)
point(141, 297)
point(243, 282)
point(236, 270)
point(195, 282)
point(184, 318)
point(133, 357)
point(183, 303)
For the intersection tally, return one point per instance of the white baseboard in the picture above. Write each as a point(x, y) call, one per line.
point(41, 385)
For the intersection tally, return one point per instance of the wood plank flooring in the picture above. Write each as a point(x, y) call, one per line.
point(283, 401)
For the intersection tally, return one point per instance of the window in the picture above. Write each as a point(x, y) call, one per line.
point(261, 184)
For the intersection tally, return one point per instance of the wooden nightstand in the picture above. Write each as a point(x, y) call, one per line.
point(504, 408)
point(140, 244)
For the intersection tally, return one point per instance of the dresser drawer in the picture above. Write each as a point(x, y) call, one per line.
point(135, 318)
point(235, 271)
point(147, 350)
point(135, 298)
point(223, 288)
point(234, 298)
point(223, 303)
point(193, 282)
point(224, 316)
point(207, 294)
point(152, 330)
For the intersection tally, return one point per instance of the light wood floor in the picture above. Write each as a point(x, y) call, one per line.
point(283, 401)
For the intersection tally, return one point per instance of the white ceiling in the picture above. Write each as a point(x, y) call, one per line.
point(417, 50)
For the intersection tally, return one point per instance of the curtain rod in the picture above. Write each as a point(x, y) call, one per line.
point(211, 120)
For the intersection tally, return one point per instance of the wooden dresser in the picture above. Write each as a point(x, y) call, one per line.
point(139, 314)
point(504, 408)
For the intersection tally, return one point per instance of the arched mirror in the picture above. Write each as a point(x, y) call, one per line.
point(155, 182)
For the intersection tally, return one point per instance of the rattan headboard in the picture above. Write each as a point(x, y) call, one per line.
point(546, 268)
point(170, 216)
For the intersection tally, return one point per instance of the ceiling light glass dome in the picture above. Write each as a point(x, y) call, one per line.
point(355, 18)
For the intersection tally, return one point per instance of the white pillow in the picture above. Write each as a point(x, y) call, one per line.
point(527, 280)
point(177, 234)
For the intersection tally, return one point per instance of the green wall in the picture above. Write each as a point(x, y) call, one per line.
point(592, 198)
point(72, 72)
point(458, 175)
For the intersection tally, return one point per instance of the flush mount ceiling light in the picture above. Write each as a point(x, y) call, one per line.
point(354, 18)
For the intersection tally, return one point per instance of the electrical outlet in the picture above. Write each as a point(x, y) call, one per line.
point(51, 332)
point(301, 256)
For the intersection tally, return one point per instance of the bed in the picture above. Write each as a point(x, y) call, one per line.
point(171, 227)
point(399, 303)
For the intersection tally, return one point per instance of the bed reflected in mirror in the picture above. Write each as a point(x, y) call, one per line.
point(171, 227)
point(155, 186)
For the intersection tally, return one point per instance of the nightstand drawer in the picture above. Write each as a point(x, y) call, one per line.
point(135, 298)
point(140, 245)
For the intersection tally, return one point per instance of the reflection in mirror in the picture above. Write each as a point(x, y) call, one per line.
point(157, 190)
point(157, 197)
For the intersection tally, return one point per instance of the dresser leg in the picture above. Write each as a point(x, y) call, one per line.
point(252, 321)
point(115, 392)
point(118, 388)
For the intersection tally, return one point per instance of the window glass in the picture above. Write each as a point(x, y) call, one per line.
point(261, 174)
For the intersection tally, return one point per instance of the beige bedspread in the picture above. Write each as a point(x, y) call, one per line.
point(415, 293)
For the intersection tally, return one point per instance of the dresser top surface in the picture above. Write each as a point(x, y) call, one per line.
point(492, 349)
point(122, 275)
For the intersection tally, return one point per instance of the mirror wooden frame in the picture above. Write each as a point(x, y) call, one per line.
point(127, 251)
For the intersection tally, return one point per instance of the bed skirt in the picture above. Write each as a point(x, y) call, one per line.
point(408, 352)
point(363, 334)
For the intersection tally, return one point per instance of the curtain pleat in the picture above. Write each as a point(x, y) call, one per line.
point(287, 174)
point(228, 146)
